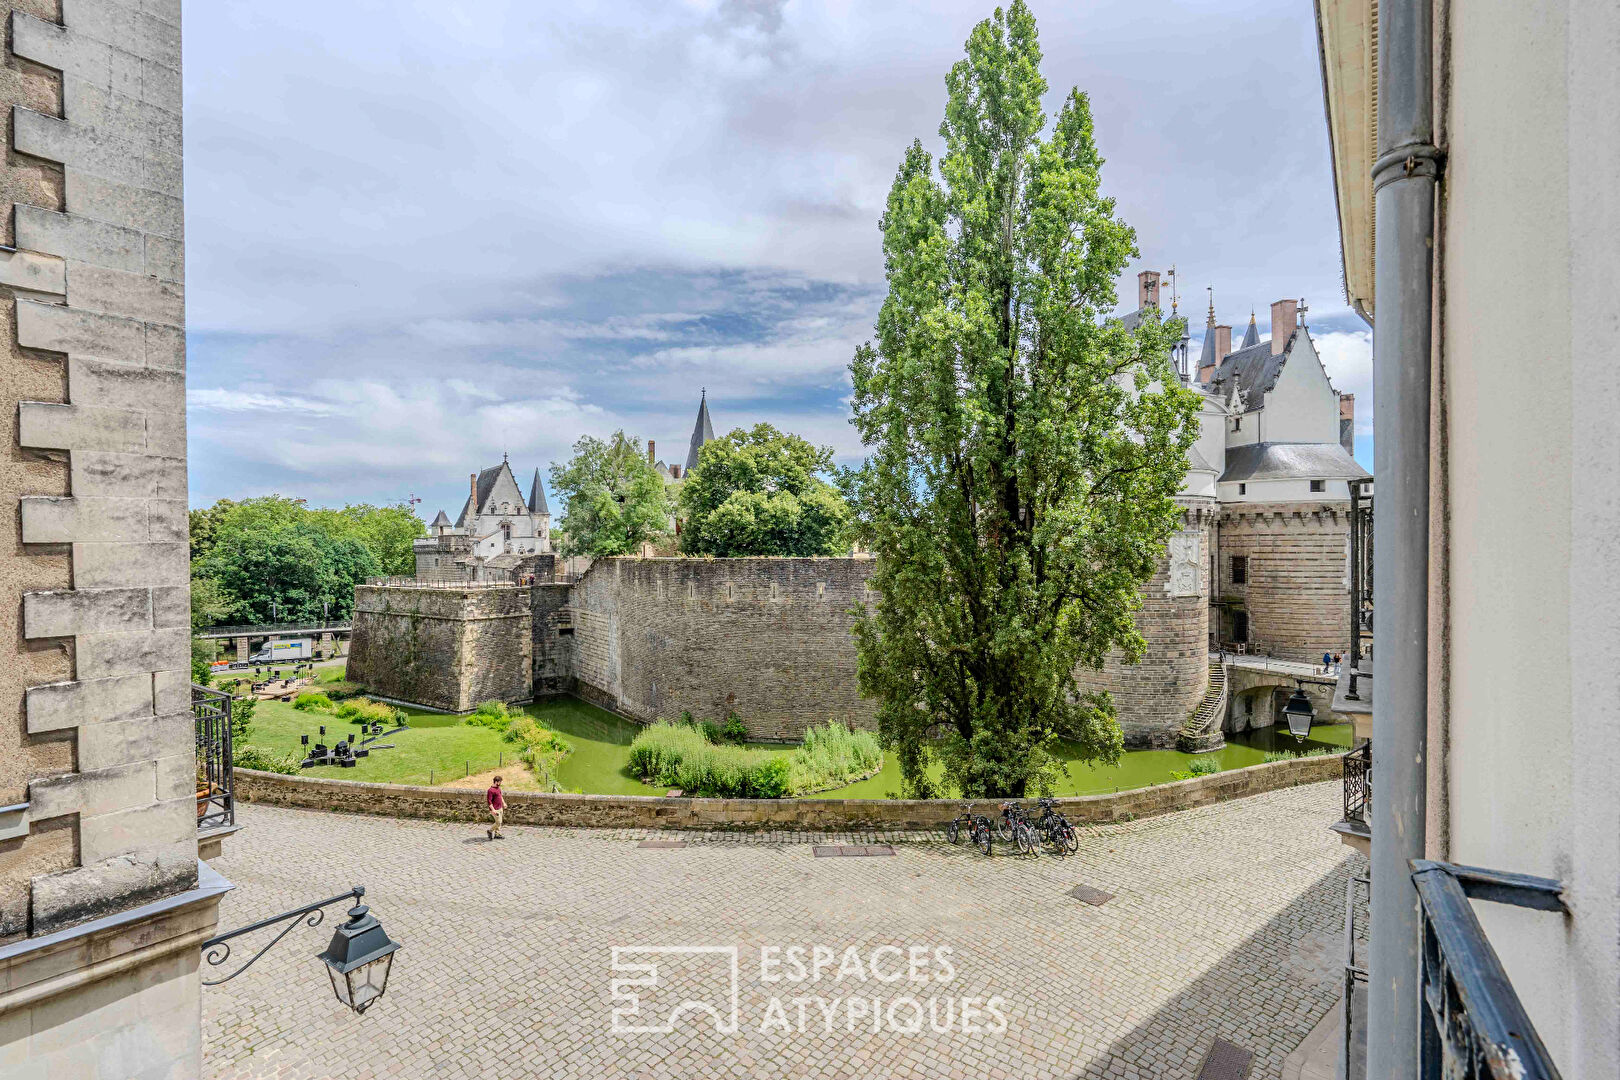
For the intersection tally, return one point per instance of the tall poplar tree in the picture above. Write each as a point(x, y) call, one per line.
point(1023, 448)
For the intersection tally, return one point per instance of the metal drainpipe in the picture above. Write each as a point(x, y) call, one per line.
point(1404, 185)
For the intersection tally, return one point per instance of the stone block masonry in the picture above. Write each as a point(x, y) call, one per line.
point(93, 378)
point(768, 639)
point(446, 648)
point(1297, 569)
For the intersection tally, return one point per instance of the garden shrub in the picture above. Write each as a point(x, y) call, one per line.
point(253, 757)
point(1200, 766)
point(361, 711)
point(313, 703)
point(711, 731)
point(491, 714)
point(833, 756)
point(342, 691)
point(734, 730)
point(770, 779)
point(1290, 755)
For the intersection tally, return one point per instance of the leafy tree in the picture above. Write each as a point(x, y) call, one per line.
point(613, 501)
point(281, 574)
point(203, 651)
point(209, 604)
point(387, 531)
point(760, 492)
point(205, 527)
point(1023, 448)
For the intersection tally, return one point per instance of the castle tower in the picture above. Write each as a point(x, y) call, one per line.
point(1251, 336)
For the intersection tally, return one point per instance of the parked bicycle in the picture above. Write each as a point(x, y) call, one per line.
point(1055, 828)
point(1015, 825)
point(976, 827)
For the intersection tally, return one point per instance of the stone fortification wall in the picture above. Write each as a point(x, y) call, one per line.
point(1297, 593)
point(446, 648)
point(814, 815)
point(768, 639)
point(1154, 697)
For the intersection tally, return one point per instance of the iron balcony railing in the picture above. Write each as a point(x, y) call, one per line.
point(1358, 784)
point(1473, 1026)
point(211, 717)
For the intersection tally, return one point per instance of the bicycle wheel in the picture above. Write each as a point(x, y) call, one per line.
point(1071, 839)
point(953, 833)
point(1021, 836)
point(983, 837)
point(1005, 829)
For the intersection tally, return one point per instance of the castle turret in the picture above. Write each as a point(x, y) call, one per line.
point(702, 432)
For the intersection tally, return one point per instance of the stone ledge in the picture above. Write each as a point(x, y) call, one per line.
point(828, 815)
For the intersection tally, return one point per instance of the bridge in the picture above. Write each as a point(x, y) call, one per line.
point(1248, 692)
point(329, 631)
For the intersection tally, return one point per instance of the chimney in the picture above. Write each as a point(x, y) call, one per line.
point(1284, 317)
point(472, 499)
point(651, 460)
point(1347, 423)
point(1147, 289)
point(1223, 343)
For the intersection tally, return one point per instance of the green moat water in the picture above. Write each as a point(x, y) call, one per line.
point(602, 743)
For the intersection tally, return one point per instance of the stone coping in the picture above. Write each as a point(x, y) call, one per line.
point(825, 815)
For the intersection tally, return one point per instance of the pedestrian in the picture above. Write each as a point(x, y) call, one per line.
point(497, 809)
point(1327, 663)
point(1336, 662)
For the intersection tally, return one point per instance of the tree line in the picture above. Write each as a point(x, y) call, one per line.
point(275, 559)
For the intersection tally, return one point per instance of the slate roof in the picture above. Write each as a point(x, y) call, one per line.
point(1196, 462)
point(1253, 371)
point(1207, 357)
point(702, 432)
point(537, 496)
point(486, 487)
point(1251, 336)
point(1290, 461)
point(440, 522)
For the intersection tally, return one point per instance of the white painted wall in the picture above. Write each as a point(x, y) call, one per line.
point(1533, 665)
point(1269, 491)
point(1303, 406)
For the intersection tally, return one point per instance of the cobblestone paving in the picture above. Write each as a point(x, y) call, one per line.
point(1225, 921)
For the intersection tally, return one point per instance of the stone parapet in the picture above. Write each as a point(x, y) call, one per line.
point(1296, 592)
point(820, 815)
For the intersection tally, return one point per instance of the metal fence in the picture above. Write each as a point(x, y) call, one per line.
point(1358, 783)
point(313, 626)
point(211, 717)
point(1473, 1025)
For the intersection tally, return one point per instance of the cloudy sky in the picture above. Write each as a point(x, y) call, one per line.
point(423, 234)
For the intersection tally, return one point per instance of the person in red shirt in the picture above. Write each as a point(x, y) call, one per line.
point(497, 809)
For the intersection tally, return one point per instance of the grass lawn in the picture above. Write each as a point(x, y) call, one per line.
point(436, 748)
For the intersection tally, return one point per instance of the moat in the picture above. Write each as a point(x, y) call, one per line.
point(439, 748)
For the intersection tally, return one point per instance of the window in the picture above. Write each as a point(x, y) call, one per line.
point(1243, 489)
point(1240, 573)
point(506, 532)
point(1237, 425)
point(1318, 485)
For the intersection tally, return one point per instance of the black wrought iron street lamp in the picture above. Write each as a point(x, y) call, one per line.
point(1299, 714)
point(358, 960)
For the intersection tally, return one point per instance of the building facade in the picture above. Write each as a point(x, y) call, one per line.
point(497, 526)
point(1475, 153)
point(103, 902)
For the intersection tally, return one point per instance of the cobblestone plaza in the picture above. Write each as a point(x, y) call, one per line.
point(1223, 923)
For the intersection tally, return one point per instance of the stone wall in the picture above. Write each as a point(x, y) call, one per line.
point(446, 648)
point(1154, 697)
point(1297, 596)
point(821, 815)
point(768, 639)
point(95, 679)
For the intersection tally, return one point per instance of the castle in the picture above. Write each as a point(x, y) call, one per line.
point(1259, 564)
point(497, 528)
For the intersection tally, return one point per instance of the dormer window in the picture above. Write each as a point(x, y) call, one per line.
point(1243, 489)
point(1318, 485)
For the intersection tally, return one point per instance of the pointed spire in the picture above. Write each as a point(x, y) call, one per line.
point(537, 496)
point(702, 432)
point(1210, 321)
point(1251, 336)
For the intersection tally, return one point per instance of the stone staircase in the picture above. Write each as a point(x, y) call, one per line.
point(1202, 732)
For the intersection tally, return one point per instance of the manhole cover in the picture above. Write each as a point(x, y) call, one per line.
point(662, 843)
point(1225, 1061)
point(1094, 897)
point(851, 851)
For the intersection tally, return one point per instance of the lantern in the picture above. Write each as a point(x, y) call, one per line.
point(359, 958)
point(1299, 714)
